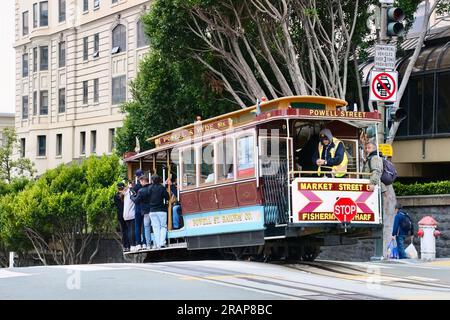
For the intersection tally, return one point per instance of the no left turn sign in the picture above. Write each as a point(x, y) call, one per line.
point(383, 86)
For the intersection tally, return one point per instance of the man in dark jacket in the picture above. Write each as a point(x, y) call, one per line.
point(402, 229)
point(118, 200)
point(159, 197)
point(142, 199)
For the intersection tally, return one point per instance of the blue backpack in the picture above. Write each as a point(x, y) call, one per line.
point(389, 172)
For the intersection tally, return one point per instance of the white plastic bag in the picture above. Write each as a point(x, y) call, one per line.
point(411, 252)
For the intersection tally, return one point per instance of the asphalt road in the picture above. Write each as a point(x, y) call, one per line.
point(226, 280)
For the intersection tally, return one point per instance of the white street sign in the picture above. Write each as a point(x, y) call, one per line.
point(384, 57)
point(383, 86)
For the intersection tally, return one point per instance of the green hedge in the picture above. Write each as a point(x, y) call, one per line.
point(440, 187)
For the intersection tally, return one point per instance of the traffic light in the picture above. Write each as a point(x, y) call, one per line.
point(395, 114)
point(395, 17)
point(399, 114)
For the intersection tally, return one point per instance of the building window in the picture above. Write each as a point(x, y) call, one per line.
point(443, 103)
point(96, 92)
point(85, 5)
point(25, 23)
point(245, 157)
point(82, 142)
point(96, 4)
point(142, 39)
point(22, 147)
point(43, 110)
point(42, 146)
point(35, 59)
point(25, 107)
point(62, 10)
point(85, 48)
point(119, 89)
point(43, 65)
point(119, 43)
point(43, 14)
point(25, 65)
point(62, 54)
point(62, 100)
point(35, 15)
point(35, 102)
point(93, 141)
point(58, 144)
point(112, 139)
point(85, 92)
point(96, 45)
point(114, 1)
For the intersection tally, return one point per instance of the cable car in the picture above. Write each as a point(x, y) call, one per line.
point(248, 184)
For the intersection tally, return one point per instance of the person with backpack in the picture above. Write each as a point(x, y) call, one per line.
point(403, 227)
point(373, 165)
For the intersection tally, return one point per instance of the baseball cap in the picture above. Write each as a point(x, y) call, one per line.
point(120, 185)
point(139, 172)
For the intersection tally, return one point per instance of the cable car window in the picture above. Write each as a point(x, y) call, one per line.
point(207, 164)
point(245, 157)
point(189, 168)
point(225, 165)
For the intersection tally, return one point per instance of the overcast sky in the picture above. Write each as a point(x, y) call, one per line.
point(7, 77)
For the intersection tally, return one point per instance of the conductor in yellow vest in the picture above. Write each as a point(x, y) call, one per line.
point(331, 159)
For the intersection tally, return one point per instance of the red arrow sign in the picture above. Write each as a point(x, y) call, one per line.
point(345, 209)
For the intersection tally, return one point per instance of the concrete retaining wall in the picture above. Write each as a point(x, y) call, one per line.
point(437, 206)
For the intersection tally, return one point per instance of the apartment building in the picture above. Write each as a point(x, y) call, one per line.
point(74, 60)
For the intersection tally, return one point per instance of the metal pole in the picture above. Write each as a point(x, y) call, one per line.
point(11, 259)
point(381, 138)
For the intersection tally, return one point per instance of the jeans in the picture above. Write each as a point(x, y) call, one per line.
point(130, 227)
point(401, 247)
point(147, 226)
point(176, 217)
point(124, 229)
point(159, 223)
point(138, 234)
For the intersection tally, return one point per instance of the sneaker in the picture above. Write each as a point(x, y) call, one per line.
point(144, 247)
point(133, 248)
point(126, 250)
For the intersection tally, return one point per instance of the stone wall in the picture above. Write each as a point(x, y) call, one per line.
point(437, 206)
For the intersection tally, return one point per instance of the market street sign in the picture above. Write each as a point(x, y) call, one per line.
point(384, 57)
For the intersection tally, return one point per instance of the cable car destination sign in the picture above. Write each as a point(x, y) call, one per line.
point(315, 200)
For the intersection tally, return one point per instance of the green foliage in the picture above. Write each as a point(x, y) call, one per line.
point(440, 187)
point(65, 206)
point(9, 166)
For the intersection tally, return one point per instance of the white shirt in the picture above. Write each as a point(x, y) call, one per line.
point(128, 206)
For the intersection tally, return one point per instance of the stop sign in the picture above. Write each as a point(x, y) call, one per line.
point(345, 209)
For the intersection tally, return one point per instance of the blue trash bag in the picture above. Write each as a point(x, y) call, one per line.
point(392, 250)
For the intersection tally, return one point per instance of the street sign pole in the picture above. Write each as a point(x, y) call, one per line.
point(382, 138)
